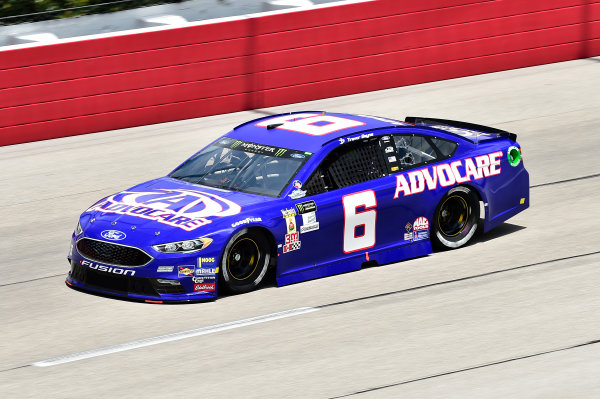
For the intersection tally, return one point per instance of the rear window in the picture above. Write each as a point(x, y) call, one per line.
point(414, 150)
point(446, 147)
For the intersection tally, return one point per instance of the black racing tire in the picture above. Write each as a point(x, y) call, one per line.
point(245, 261)
point(456, 218)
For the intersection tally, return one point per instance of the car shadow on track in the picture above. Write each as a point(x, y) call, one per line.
point(481, 237)
point(500, 231)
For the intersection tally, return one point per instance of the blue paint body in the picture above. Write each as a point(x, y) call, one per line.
point(114, 218)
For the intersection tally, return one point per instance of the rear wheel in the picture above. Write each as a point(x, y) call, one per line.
point(245, 261)
point(456, 218)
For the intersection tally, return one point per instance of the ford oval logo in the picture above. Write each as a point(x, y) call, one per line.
point(115, 235)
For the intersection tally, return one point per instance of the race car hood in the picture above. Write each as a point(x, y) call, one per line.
point(166, 209)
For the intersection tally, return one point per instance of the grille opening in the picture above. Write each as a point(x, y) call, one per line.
point(113, 283)
point(112, 254)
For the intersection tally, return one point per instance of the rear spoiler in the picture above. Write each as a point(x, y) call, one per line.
point(415, 120)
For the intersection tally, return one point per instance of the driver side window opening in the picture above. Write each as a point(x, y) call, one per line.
point(347, 165)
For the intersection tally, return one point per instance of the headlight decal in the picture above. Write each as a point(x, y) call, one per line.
point(184, 246)
point(78, 229)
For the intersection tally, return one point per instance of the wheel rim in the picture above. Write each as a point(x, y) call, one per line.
point(243, 259)
point(453, 216)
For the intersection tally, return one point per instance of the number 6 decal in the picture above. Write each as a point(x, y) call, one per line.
point(359, 226)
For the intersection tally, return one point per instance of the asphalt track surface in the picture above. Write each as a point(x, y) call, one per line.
point(515, 314)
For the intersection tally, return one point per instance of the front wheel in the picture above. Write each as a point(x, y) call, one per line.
point(245, 261)
point(456, 218)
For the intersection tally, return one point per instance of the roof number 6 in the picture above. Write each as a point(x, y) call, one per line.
point(311, 123)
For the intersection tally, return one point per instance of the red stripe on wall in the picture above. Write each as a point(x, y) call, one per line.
point(108, 83)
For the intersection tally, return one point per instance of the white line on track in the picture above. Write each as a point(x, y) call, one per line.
point(171, 337)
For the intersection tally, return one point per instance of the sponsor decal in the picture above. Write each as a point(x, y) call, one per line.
point(114, 235)
point(204, 287)
point(389, 149)
point(290, 225)
point(185, 209)
point(204, 279)
point(292, 237)
point(448, 174)
point(186, 271)
point(391, 159)
point(309, 218)
point(309, 227)
point(291, 247)
point(420, 235)
point(297, 184)
point(286, 213)
point(305, 207)
point(257, 148)
point(296, 155)
point(202, 261)
point(107, 269)
point(71, 251)
point(165, 269)
point(514, 155)
point(246, 221)
point(420, 229)
point(297, 194)
point(421, 223)
point(395, 168)
point(206, 271)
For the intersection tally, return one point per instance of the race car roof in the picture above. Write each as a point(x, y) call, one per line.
point(307, 131)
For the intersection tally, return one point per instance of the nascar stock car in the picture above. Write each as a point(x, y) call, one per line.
point(307, 195)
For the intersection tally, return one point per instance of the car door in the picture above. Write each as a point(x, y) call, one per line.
point(344, 212)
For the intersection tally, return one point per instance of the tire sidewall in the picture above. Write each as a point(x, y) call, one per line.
point(251, 282)
point(442, 241)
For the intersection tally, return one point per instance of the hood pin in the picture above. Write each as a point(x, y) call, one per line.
point(132, 227)
point(113, 223)
point(157, 233)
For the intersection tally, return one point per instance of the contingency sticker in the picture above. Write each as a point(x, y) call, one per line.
point(418, 230)
point(292, 239)
point(204, 287)
point(186, 271)
point(309, 216)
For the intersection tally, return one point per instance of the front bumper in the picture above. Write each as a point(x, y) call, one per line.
point(166, 279)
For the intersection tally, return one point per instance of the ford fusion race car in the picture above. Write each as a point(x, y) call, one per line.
point(307, 195)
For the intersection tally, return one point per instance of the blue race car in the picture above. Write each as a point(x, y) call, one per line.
point(306, 195)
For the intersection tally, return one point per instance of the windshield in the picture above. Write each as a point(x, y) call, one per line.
point(243, 166)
